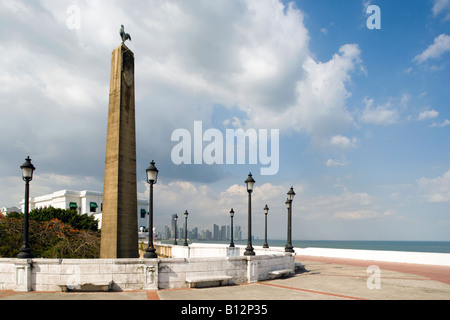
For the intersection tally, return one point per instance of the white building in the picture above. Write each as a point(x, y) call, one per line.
point(4, 210)
point(90, 202)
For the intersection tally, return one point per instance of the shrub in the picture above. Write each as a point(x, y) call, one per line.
point(77, 221)
point(48, 239)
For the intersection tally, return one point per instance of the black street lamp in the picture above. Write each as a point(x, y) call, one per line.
point(27, 176)
point(175, 243)
point(266, 211)
point(232, 215)
point(152, 178)
point(185, 229)
point(250, 183)
point(291, 194)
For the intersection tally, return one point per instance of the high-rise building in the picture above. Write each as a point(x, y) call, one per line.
point(223, 233)
point(195, 233)
point(166, 232)
point(216, 232)
point(237, 233)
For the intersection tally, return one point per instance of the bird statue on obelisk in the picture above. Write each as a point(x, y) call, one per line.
point(119, 234)
point(123, 35)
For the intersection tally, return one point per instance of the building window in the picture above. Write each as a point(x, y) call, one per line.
point(93, 207)
point(73, 206)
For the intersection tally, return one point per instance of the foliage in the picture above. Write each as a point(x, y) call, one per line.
point(11, 236)
point(48, 239)
point(77, 221)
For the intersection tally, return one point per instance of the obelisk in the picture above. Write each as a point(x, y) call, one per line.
point(119, 232)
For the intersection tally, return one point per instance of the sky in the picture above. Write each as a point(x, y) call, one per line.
point(355, 105)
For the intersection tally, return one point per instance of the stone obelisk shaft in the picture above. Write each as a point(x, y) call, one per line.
point(119, 234)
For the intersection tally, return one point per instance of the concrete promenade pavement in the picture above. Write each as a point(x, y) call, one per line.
point(324, 279)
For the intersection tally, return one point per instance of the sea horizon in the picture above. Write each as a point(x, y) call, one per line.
point(383, 245)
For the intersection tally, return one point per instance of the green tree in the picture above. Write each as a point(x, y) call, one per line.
point(11, 235)
point(72, 217)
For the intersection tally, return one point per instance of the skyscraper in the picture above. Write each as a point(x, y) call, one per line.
point(223, 233)
point(216, 232)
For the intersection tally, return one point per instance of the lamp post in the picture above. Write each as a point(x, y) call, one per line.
point(175, 243)
point(291, 194)
point(232, 215)
point(27, 176)
point(266, 211)
point(250, 183)
point(185, 229)
point(152, 178)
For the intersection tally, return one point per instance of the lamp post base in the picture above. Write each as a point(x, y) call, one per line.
point(249, 251)
point(289, 248)
point(150, 254)
point(265, 246)
point(25, 253)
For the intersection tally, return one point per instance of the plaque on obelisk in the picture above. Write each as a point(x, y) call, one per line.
point(119, 234)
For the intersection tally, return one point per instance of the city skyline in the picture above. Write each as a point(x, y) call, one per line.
point(194, 233)
point(222, 234)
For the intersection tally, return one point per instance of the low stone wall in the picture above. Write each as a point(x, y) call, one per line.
point(73, 274)
point(164, 251)
point(204, 250)
point(132, 274)
point(198, 250)
point(173, 272)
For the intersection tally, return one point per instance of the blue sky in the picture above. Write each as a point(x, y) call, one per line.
point(363, 115)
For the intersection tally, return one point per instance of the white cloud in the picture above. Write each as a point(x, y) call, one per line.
point(443, 124)
point(321, 93)
point(440, 46)
point(345, 206)
point(404, 100)
point(362, 214)
point(381, 114)
point(437, 189)
point(441, 6)
point(343, 142)
point(428, 114)
point(331, 163)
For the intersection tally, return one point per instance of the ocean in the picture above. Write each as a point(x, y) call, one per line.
point(409, 246)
